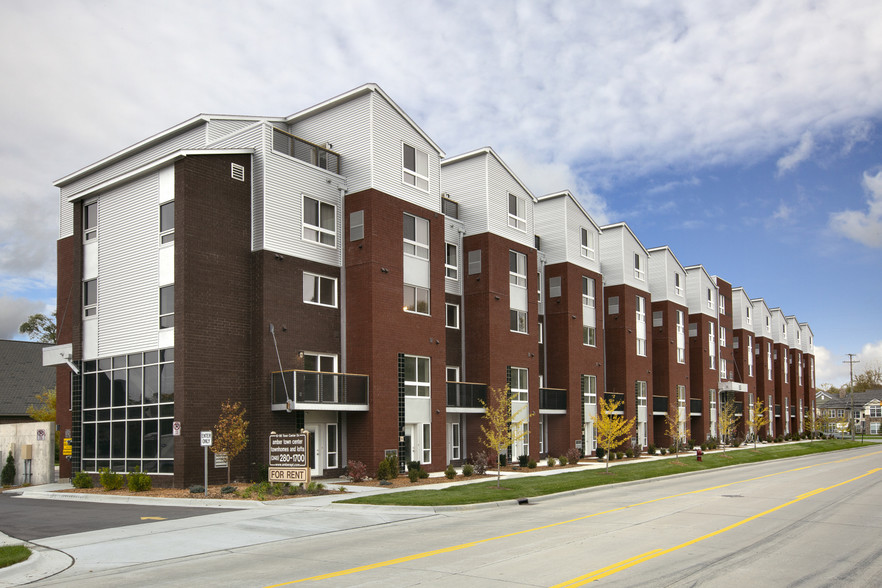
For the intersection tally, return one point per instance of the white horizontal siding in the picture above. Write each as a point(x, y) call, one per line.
point(794, 336)
point(697, 283)
point(466, 182)
point(663, 266)
point(287, 180)
point(500, 184)
point(128, 268)
point(611, 255)
point(740, 304)
point(549, 215)
point(258, 137)
point(220, 128)
point(347, 128)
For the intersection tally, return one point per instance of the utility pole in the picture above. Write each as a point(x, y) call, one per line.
point(851, 361)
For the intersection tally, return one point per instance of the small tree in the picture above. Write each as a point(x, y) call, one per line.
point(501, 428)
point(39, 327)
point(727, 420)
point(44, 411)
point(757, 420)
point(676, 429)
point(7, 476)
point(815, 422)
point(230, 432)
point(612, 429)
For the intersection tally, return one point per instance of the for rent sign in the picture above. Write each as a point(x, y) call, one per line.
point(288, 457)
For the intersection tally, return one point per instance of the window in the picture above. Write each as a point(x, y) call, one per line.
point(167, 222)
point(539, 289)
point(452, 320)
point(711, 346)
point(417, 377)
point(519, 384)
point(786, 367)
point(587, 245)
point(638, 267)
point(681, 337)
point(451, 262)
point(747, 316)
point(517, 269)
point(589, 336)
point(90, 298)
point(722, 336)
point(475, 262)
point(427, 443)
point(589, 389)
point(416, 168)
point(874, 411)
point(722, 304)
point(518, 321)
point(588, 292)
point(658, 318)
point(641, 325)
point(541, 333)
point(713, 399)
point(681, 396)
point(723, 366)
point(769, 361)
point(320, 290)
point(749, 355)
point(331, 456)
point(517, 212)
point(416, 236)
point(416, 299)
point(613, 302)
point(453, 373)
point(710, 300)
point(640, 391)
point(319, 222)
point(90, 221)
point(678, 289)
point(455, 442)
point(554, 287)
point(356, 225)
point(167, 307)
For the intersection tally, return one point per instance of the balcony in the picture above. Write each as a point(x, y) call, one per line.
point(466, 397)
point(777, 410)
point(739, 408)
point(659, 405)
point(616, 397)
point(695, 406)
point(552, 401)
point(319, 391)
point(305, 151)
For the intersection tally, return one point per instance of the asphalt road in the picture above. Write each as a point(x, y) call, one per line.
point(809, 521)
point(33, 520)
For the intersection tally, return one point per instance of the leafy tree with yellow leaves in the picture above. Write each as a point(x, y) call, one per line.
point(612, 429)
point(758, 419)
point(501, 428)
point(230, 432)
point(727, 421)
point(676, 429)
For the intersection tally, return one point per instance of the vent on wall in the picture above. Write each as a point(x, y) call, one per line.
point(237, 172)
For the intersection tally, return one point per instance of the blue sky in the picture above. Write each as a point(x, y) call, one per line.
point(745, 135)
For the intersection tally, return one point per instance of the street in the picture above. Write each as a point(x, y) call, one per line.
point(809, 521)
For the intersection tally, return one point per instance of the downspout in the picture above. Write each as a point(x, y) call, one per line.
point(462, 336)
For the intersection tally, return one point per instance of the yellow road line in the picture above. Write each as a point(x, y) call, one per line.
point(633, 561)
point(416, 556)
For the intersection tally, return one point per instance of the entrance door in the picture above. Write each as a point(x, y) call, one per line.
point(454, 442)
point(316, 444)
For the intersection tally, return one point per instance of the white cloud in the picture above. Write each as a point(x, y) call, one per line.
point(798, 154)
point(830, 369)
point(863, 227)
point(15, 311)
point(858, 132)
point(783, 213)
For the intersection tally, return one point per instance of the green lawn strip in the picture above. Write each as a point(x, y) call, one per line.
point(525, 487)
point(13, 554)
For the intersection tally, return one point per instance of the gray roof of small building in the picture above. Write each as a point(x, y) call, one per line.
point(844, 401)
point(22, 376)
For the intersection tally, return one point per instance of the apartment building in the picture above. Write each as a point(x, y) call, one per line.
point(334, 271)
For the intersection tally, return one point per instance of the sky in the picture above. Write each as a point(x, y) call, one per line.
point(745, 135)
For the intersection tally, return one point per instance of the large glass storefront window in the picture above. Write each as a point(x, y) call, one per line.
point(128, 413)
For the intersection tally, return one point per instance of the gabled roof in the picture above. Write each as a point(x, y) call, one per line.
point(356, 93)
point(860, 399)
point(22, 376)
point(485, 151)
point(668, 250)
point(568, 194)
point(624, 225)
point(701, 267)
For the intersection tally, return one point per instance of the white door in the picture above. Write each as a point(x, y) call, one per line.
point(316, 449)
point(454, 442)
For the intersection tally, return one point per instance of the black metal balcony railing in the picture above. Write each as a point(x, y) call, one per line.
point(695, 405)
point(659, 404)
point(777, 410)
point(466, 395)
point(615, 397)
point(309, 387)
point(305, 151)
point(449, 207)
point(739, 408)
point(552, 399)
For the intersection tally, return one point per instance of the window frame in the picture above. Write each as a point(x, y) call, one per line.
point(419, 388)
point(166, 233)
point(523, 378)
point(589, 396)
point(589, 336)
point(515, 278)
point(90, 230)
point(589, 292)
point(415, 247)
point(317, 289)
point(166, 319)
point(447, 308)
point(586, 244)
point(317, 229)
point(412, 303)
point(518, 318)
point(515, 220)
point(90, 306)
point(639, 272)
point(427, 443)
point(451, 271)
point(413, 177)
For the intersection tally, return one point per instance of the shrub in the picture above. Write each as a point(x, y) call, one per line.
point(522, 460)
point(612, 455)
point(423, 474)
point(111, 480)
point(503, 459)
point(413, 465)
point(82, 480)
point(703, 447)
point(357, 470)
point(663, 451)
point(550, 461)
point(450, 472)
point(563, 460)
point(737, 441)
point(228, 490)
point(480, 461)
point(197, 489)
point(620, 455)
point(573, 455)
point(394, 465)
point(531, 464)
point(600, 452)
point(629, 452)
point(138, 481)
point(468, 470)
point(650, 449)
point(7, 476)
point(414, 475)
point(383, 472)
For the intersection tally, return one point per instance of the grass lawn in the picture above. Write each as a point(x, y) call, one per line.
point(525, 487)
point(13, 554)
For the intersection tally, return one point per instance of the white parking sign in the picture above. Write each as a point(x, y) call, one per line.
point(205, 438)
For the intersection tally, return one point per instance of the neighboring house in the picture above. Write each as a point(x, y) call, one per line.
point(22, 377)
point(866, 407)
point(334, 271)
